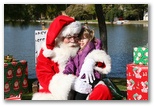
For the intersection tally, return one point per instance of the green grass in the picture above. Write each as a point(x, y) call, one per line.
point(27, 96)
point(120, 82)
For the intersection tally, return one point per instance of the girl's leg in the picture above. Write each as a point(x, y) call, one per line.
point(100, 92)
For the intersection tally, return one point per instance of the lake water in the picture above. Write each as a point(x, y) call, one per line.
point(19, 41)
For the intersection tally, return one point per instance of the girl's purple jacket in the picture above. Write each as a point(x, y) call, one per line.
point(74, 64)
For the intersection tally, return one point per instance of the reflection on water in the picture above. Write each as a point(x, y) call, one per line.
point(19, 41)
point(121, 40)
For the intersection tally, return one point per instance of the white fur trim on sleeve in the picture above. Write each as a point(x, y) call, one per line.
point(43, 96)
point(100, 56)
point(60, 85)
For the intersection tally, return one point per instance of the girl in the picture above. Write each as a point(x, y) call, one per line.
point(99, 62)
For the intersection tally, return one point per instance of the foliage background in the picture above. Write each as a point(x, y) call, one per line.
point(34, 12)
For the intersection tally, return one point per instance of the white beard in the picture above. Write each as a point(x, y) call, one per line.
point(63, 54)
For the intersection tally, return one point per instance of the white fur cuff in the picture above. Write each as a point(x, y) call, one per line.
point(101, 56)
point(60, 85)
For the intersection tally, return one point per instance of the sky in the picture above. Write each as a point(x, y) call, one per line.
point(70, 103)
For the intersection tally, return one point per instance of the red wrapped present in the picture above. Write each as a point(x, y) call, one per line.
point(137, 82)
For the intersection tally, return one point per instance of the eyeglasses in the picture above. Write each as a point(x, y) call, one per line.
point(75, 37)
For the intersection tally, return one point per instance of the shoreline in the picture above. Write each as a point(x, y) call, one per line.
point(123, 22)
point(115, 22)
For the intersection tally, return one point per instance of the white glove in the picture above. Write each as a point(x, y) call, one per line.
point(88, 69)
point(81, 86)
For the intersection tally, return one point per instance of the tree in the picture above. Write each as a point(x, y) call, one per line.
point(81, 11)
point(53, 10)
point(15, 12)
point(114, 11)
point(76, 10)
point(102, 25)
point(90, 9)
point(135, 11)
point(29, 12)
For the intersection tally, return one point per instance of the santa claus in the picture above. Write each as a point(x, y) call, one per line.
point(61, 44)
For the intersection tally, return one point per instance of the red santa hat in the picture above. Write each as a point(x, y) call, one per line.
point(60, 27)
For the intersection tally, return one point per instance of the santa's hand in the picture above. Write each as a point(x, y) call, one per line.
point(81, 86)
point(88, 70)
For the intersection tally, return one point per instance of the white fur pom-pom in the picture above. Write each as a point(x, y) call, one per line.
point(48, 53)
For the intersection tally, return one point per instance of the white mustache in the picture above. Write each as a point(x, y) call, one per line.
point(72, 44)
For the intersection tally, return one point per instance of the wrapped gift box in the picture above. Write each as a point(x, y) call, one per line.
point(140, 55)
point(137, 82)
point(15, 78)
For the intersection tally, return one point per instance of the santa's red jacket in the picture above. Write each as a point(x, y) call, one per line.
point(54, 85)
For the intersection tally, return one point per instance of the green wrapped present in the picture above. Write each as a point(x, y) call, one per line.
point(140, 55)
point(15, 78)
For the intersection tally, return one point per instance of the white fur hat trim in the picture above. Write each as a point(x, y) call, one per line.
point(71, 29)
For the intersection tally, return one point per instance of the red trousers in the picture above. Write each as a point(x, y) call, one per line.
point(100, 92)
